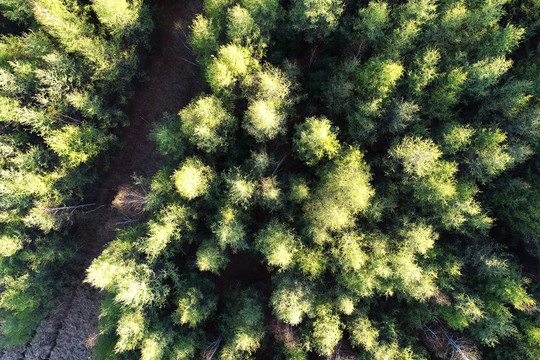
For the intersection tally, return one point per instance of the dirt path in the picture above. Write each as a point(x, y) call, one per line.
point(70, 331)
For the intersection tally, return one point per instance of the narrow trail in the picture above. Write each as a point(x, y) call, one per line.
point(71, 330)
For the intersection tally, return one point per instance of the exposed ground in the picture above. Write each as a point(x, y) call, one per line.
point(70, 331)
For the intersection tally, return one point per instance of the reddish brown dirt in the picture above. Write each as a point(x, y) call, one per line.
point(70, 330)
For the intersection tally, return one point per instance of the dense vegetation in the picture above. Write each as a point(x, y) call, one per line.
point(360, 179)
point(65, 72)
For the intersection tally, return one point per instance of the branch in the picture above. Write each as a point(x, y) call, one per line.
point(213, 347)
point(446, 345)
point(67, 208)
point(73, 120)
point(279, 164)
point(127, 221)
point(360, 48)
point(95, 209)
point(186, 60)
point(131, 200)
point(312, 55)
point(455, 347)
point(183, 32)
point(187, 47)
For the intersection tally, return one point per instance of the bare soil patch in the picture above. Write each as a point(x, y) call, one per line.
point(69, 332)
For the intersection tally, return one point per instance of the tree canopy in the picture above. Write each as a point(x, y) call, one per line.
point(357, 180)
point(366, 171)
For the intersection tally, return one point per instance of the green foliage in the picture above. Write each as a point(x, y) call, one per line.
point(266, 113)
point(192, 179)
point(402, 115)
point(10, 242)
point(270, 193)
point(116, 15)
point(278, 245)
point(17, 10)
point(349, 253)
point(343, 192)
point(130, 331)
point(377, 78)
point(22, 307)
point(412, 236)
point(166, 135)
point(314, 140)
point(267, 14)
point(363, 333)
point(418, 238)
point(465, 311)
point(418, 156)
point(184, 346)
point(243, 326)
point(326, 331)
point(299, 190)
point(231, 65)
point(153, 346)
point(516, 201)
point(229, 229)
point(273, 85)
point(104, 271)
point(312, 262)
point(241, 27)
point(264, 121)
point(74, 34)
point(457, 138)
point(446, 92)
point(291, 300)
point(65, 70)
point(207, 124)
point(425, 70)
point(485, 73)
point(125, 20)
point(203, 37)
point(195, 303)
point(166, 232)
point(217, 9)
point(489, 159)
point(241, 188)
point(211, 258)
point(76, 145)
point(373, 21)
point(317, 18)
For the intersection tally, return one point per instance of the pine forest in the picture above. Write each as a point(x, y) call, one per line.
point(270, 179)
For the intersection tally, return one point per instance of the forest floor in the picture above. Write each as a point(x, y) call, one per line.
point(71, 329)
